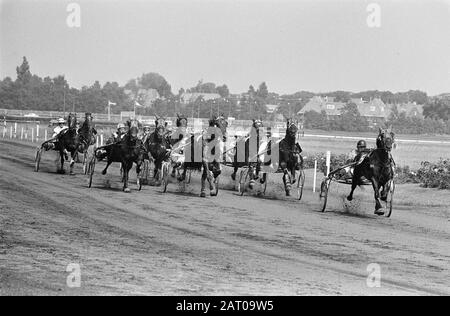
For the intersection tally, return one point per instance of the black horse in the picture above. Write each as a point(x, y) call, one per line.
point(211, 169)
point(158, 146)
point(377, 167)
point(72, 142)
point(127, 151)
point(290, 155)
point(254, 166)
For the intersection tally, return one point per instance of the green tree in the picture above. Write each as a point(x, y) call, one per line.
point(263, 91)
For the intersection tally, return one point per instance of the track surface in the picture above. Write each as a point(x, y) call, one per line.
point(153, 243)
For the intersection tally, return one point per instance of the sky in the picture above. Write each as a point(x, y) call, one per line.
point(316, 45)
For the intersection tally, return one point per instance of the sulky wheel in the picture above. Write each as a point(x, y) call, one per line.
point(324, 189)
point(300, 184)
point(244, 176)
point(38, 159)
point(91, 168)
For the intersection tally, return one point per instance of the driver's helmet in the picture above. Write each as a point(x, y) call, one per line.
point(362, 145)
point(121, 127)
point(146, 128)
point(61, 121)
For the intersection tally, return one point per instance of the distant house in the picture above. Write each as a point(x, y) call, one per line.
point(375, 110)
point(272, 108)
point(192, 97)
point(318, 104)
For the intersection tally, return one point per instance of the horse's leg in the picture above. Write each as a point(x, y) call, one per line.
point(61, 155)
point(233, 175)
point(293, 175)
point(73, 156)
point(376, 189)
point(203, 181)
point(107, 165)
point(286, 180)
point(355, 179)
point(126, 170)
point(251, 173)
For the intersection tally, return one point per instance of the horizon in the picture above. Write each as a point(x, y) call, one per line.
point(292, 46)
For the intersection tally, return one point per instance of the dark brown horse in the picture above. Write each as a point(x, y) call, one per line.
point(211, 170)
point(253, 163)
point(290, 155)
point(158, 146)
point(70, 141)
point(377, 167)
point(127, 151)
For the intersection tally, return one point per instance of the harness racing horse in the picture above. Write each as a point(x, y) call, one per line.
point(158, 146)
point(87, 134)
point(254, 166)
point(70, 141)
point(377, 167)
point(210, 140)
point(290, 155)
point(127, 151)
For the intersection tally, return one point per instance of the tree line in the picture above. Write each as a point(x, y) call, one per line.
point(31, 92)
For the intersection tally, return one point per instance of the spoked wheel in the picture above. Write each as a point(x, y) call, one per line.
point(244, 176)
point(165, 176)
point(300, 184)
point(390, 199)
point(324, 188)
point(38, 159)
point(91, 168)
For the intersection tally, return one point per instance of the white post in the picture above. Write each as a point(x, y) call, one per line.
point(11, 132)
point(315, 176)
point(37, 133)
point(45, 135)
point(21, 134)
point(26, 135)
point(101, 140)
point(15, 129)
point(32, 135)
point(4, 131)
point(97, 141)
point(328, 162)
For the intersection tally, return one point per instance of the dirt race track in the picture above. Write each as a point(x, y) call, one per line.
point(153, 243)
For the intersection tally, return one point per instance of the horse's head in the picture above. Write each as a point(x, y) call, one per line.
point(88, 121)
point(257, 124)
point(292, 127)
point(133, 129)
point(221, 123)
point(181, 121)
point(72, 121)
point(386, 139)
point(160, 121)
point(160, 133)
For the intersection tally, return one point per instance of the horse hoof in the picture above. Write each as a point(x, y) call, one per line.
point(203, 194)
point(126, 190)
point(379, 212)
point(233, 177)
point(103, 172)
point(349, 198)
point(213, 193)
point(72, 173)
point(288, 193)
